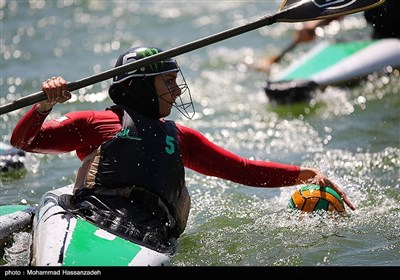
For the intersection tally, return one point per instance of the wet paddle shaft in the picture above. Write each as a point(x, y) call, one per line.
point(290, 11)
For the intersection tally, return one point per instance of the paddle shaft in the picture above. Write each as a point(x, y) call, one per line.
point(41, 96)
point(291, 11)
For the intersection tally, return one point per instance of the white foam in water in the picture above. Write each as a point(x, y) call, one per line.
point(17, 253)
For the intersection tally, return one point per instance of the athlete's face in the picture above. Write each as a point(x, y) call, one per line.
point(167, 91)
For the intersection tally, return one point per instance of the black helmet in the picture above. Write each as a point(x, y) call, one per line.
point(136, 89)
point(160, 67)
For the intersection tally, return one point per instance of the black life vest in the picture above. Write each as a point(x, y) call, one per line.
point(145, 153)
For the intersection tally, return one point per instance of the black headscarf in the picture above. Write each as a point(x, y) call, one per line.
point(138, 94)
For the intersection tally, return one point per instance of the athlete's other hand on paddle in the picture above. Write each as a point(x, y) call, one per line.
point(56, 91)
point(304, 34)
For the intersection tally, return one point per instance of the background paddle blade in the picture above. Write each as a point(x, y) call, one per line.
point(305, 10)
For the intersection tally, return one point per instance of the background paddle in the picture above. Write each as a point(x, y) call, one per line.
point(264, 65)
point(277, 58)
point(289, 11)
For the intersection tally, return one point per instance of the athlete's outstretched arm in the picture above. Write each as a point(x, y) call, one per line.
point(203, 156)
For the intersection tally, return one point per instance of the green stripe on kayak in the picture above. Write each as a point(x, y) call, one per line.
point(8, 209)
point(327, 57)
point(87, 248)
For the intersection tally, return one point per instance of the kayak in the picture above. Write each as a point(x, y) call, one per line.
point(61, 238)
point(332, 64)
point(14, 218)
point(10, 158)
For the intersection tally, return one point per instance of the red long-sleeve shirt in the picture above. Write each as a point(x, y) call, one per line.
point(85, 131)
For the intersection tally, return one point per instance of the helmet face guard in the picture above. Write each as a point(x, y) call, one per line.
point(183, 102)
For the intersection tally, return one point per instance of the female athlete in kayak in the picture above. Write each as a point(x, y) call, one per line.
point(132, 178)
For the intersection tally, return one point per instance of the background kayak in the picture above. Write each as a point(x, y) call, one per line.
point(11, 159)
point(350, 134)
point(14, 218)
point(333, 64)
